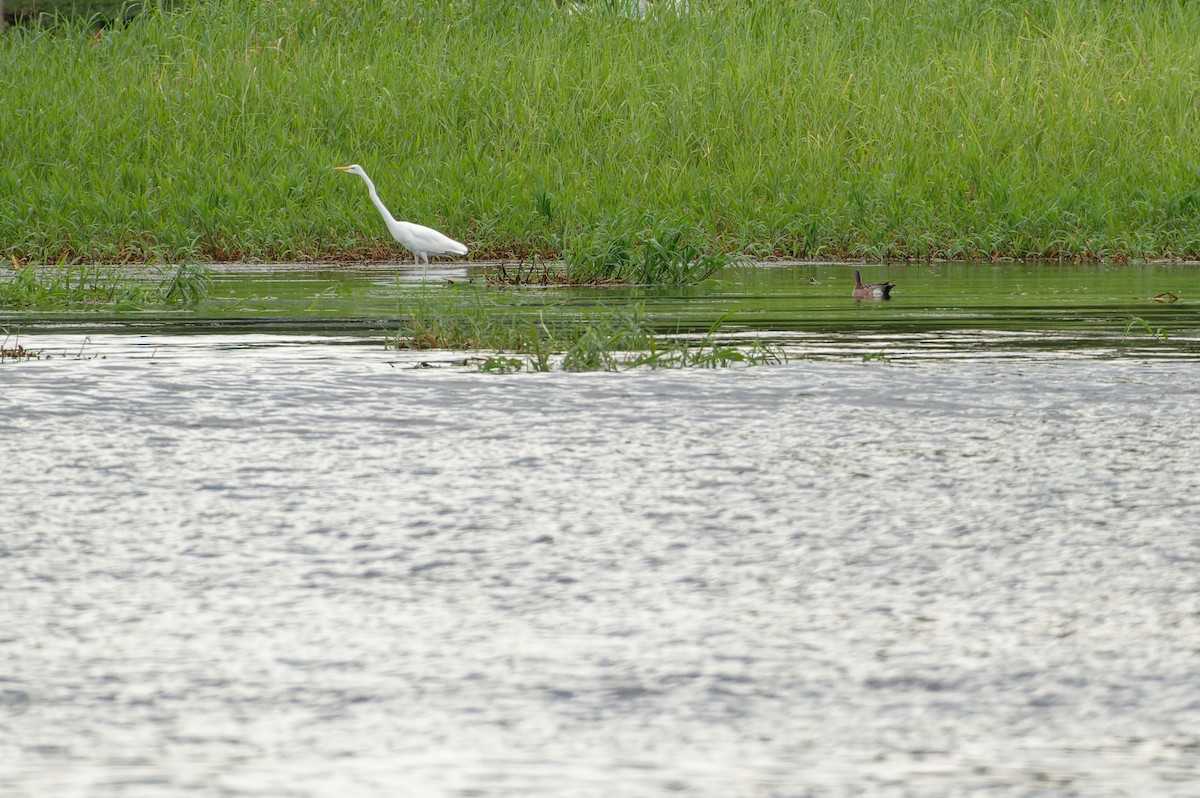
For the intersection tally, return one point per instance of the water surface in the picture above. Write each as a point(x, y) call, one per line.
point(295, 563)
point(766, 299)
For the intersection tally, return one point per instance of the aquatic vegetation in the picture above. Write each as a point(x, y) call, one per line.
point(18, 353)
point(498, 364)
point(1157, 333)
point(188, 285)
point(535, 272)
point(11, 349)
point(820, 129)
point(438, 323)
point(566, 338)
point(95, 287)
point(612, 254)
point(604, 258)
point(83, 286)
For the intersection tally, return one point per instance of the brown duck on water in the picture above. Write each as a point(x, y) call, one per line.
point(873, 291)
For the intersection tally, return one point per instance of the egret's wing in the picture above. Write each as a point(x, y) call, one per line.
point(430, 240)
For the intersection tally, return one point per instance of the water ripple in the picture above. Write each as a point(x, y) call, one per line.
point(297, 570)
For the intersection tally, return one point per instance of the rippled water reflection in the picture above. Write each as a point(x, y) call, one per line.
point(241, 565)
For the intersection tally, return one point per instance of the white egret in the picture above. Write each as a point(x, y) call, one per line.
point(418, 239)
point(874, 291)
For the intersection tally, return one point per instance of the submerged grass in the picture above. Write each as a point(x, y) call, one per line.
point(94, 287)
point(604, 339)
point(817, 128)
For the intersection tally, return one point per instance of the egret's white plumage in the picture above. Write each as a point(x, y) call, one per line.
point(418, 239)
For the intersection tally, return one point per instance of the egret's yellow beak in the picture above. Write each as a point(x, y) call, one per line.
point(342, 168)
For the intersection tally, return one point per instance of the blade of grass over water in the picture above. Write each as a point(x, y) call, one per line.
point(821, 129)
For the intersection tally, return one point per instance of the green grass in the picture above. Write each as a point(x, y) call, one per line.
point(811, 128)
point(102, 287)
point(91, 11)
point(563, 337)
point(611, 253)
point(1157, 333)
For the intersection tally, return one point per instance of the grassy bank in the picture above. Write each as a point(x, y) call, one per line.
point(818, 128)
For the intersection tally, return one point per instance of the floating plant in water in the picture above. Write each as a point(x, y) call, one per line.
point(609, 339)
point(103, 287)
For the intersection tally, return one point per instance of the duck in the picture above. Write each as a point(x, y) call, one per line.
point(873, 291)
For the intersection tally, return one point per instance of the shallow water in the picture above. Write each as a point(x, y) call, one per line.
point(767, 300)
point(298, 565)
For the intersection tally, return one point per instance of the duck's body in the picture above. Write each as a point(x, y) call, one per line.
point(873, 291)
point(418, 239)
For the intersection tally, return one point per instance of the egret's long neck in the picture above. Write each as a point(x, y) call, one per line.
point(383, 211)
